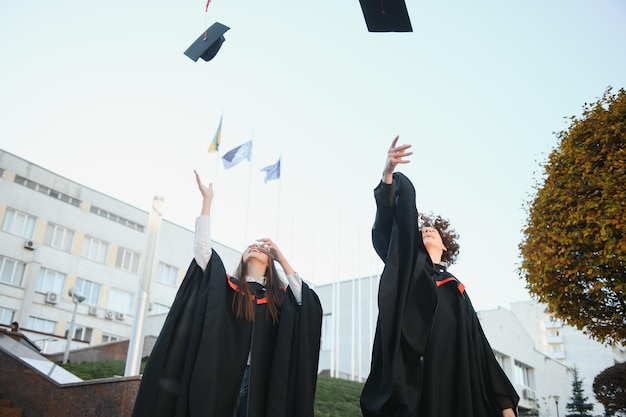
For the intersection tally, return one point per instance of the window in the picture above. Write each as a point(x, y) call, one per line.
point(558, 348)
point(127, 260)
point(120, 301)
point(41, 325)
point(50, 281)
point(115, 218)
point(167, 274)
point(158, 308)
point(522, 374)
point(11, 271)
point(500, 359)
point(327, 332)
point(59, 237)
point(80, 333)
point(108, 338)
point(90, 290)
point(554, 321)
point(95, 249)
point(18, 223)
point(6, 315)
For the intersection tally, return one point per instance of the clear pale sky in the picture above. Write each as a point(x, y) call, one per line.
point(101, 93)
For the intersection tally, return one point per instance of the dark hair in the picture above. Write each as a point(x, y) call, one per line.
point(243, 305)
point(448, 236)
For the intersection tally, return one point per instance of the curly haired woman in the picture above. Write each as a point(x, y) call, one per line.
point(430, 356)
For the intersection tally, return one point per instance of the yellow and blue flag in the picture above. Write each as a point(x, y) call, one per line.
point(215, 143)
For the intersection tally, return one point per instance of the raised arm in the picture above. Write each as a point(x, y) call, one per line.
point(202, 241)
point(384, 194)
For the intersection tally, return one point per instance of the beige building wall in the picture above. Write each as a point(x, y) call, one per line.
point(52, 199)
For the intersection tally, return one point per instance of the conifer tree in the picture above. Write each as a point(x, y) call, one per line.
point(578, 407)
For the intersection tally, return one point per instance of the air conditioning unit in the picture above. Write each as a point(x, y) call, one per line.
point(109, 314)
point(52, 297)
point(119, 316)
point(529, 394)
point(29, 244)
point(93, 310)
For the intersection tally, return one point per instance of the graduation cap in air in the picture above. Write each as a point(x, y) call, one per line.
point(209, 42)
point(386, 16)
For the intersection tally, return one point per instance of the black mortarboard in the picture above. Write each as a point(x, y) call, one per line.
point(209, 42)
point(386, 16)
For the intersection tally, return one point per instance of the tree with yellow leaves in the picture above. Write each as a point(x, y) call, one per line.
point(574, 242)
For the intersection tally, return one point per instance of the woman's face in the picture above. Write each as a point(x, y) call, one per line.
point(256, 252)
point(432, 239)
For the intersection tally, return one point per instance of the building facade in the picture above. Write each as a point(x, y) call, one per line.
point(568, 345)
point(57, 234)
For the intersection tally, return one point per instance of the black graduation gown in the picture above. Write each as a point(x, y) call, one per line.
point(197, 364)
point(430, 357)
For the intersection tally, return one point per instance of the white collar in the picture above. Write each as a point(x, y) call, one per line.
point(259, 281)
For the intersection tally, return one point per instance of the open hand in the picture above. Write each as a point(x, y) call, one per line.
point(395, 156)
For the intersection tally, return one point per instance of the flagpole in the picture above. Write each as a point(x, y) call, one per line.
point(359, 307)
point(217, 139)
point(280, 186)
point(217, 165)
point(337, 299)
point(245, 230)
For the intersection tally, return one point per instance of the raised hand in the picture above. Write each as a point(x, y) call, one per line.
point(207, 194)
point(269, 247)
point(395, 155)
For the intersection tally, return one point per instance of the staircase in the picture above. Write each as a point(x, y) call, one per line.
point(7, 410)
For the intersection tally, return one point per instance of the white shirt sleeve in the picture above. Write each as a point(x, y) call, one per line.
point(295, 284)
point(202, 241)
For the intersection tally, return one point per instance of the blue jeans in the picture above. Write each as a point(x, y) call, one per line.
point(241, 409)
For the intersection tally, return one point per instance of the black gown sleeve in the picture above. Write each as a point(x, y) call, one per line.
point(384, 195)
point(393, 386)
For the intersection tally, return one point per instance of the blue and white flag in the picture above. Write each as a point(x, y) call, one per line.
point(272, 172)
point(238, 154)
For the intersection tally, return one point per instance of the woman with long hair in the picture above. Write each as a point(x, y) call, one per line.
point(242, 345)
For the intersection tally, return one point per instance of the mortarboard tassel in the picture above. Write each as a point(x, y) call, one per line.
point(206, 10)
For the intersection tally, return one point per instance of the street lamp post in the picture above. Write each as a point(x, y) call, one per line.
point(135, 343)
point(556, 401)
point(77, 298)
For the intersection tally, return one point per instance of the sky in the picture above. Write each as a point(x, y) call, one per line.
point(101, 93)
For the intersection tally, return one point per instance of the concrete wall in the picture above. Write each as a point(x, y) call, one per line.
point(105, 352)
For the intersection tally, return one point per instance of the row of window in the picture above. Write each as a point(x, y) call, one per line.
point(62, 238)
point(47, 191)
point(76, 203)
point(48, 280)
point(118, 219)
